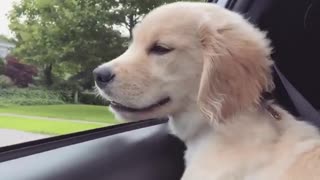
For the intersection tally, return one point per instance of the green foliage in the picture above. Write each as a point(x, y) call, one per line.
point(29, 96)
point(66, 96)
point(64, 37)
point(5, 81)
point(129, 13)
point(91, 98)
point(2, 65)
point(6, 39)
point(71, 37)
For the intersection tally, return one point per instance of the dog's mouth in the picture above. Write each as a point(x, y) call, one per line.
point(119, 107)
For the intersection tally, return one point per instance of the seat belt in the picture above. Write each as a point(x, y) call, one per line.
point(303, 107)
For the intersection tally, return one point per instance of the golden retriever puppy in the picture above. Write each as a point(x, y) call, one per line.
point(205, 68)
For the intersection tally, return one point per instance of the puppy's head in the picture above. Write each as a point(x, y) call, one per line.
point(186, 54)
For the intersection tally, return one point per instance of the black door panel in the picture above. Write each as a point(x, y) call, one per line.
point(142, 154)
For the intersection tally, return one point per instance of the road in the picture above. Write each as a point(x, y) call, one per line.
point(9, 137)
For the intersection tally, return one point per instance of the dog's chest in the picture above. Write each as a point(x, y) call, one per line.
point(231, 170)
point(212, 162)
point(228, 169)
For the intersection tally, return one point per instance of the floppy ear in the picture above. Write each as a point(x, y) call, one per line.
point(236, 69)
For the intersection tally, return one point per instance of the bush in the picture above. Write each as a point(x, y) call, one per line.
point(1, 66)
point(20, 73)
point(29, 96)
point(65, 88)
point(65, 95)
point(91, 98)
point(5, 81)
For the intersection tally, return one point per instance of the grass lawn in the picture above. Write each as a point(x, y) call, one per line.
point(71, 112)
point(44, 126)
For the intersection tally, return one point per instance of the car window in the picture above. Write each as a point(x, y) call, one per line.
point(48, 50)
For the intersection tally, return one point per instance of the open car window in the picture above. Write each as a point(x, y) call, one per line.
point(48, 50)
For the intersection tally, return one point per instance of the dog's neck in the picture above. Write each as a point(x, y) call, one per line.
point(190, 125)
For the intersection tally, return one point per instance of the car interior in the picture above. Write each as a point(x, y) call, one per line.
point(146, 150)
point(293, 27)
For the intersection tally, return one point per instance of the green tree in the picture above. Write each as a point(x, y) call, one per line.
point(7, 39)
point(68, 38)
point(64, 37)
point(127, 13)
point(1, 66)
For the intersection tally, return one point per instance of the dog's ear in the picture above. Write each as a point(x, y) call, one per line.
point(236, 69)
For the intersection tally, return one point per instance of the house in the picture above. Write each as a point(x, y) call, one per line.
point(5, 48)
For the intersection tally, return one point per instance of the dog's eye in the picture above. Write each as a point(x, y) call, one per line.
point(159, 50)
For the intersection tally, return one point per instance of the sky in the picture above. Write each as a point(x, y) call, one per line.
point(5, 7)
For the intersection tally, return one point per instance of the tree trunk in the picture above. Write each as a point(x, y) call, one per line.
point(131, 24)
point(76, 97)
point(48, 75)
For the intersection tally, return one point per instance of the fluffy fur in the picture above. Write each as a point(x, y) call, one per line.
point(214, 77)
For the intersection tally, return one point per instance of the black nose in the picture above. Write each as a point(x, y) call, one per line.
point(103, 76)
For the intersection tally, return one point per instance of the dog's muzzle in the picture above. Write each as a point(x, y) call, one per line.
point(103, 76)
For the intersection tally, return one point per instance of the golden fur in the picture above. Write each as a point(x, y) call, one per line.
point(214, 76)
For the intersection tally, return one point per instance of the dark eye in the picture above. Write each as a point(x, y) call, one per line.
point(159, 50)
